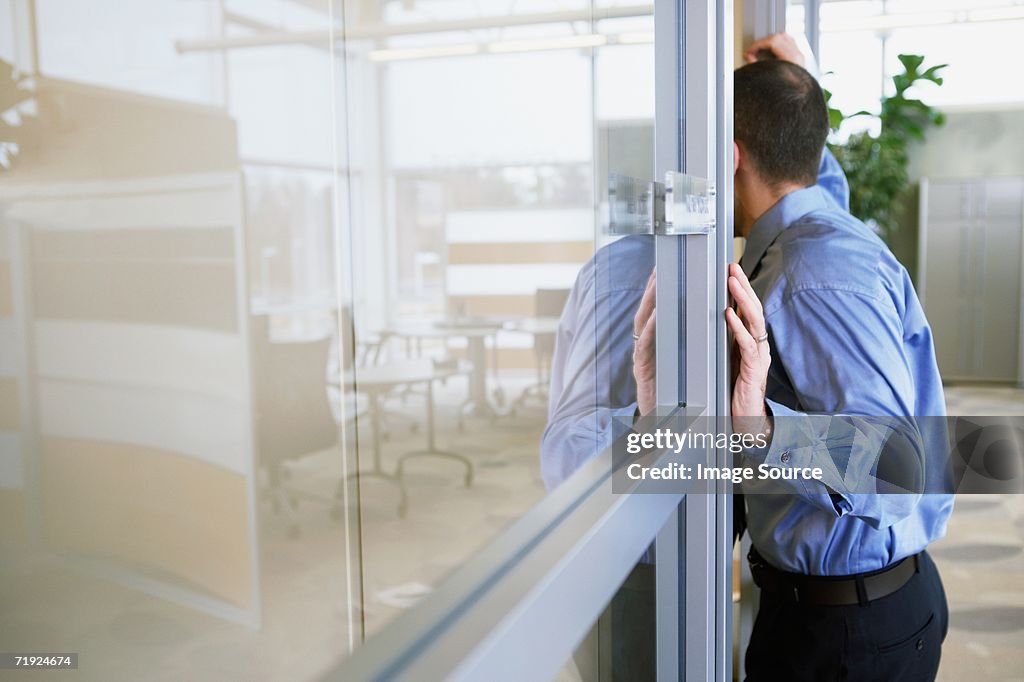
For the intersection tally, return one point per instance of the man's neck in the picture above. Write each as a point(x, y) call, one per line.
point(757, 199)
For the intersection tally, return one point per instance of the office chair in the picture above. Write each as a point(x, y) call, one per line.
point(293, 415)
point(547, 303)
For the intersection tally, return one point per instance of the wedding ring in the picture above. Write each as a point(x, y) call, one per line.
point(636, 337)
point(762, 338)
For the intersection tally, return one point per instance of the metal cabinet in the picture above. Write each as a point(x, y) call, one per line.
point(971, 257)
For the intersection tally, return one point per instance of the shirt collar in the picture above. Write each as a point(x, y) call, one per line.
point(781, 215)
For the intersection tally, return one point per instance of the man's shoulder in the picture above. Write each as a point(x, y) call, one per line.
point(831, 249)
point(623, 264)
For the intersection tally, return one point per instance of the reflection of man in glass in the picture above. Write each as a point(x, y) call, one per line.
point(592, 383)
point(847, 588)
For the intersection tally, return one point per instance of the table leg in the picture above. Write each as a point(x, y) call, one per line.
point(377, 470)
point(432, 450)
point(479, 403)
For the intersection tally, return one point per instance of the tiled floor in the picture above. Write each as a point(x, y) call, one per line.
point(123, 634)
point(981, 561)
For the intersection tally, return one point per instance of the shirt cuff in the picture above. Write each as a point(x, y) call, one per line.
point(623, 419)
point(796, 445)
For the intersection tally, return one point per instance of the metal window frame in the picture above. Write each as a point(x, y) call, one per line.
point(521, 606)
point(694, 550)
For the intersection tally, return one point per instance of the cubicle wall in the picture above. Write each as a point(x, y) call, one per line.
point(135, 313)
point(970, 260)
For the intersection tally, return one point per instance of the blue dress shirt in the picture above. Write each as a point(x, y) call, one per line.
point(848, 337)
point(810, 532)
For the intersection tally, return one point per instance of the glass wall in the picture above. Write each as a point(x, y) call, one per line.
point(279, 282)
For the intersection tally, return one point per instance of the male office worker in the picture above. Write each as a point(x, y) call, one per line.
point(592, 383)
point(848, 591)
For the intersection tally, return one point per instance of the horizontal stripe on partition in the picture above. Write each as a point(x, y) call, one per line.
point(10, 405)
point(155, 510)
point(509, 279)
point(529, 225)
point(173, 294)
point(206, 428)
point(499, 253)
point(9, 352)
point(187, 359)
point(508, 359)
point(177, 243)
point(110, 207)
point(515, 304)
point(12, 464)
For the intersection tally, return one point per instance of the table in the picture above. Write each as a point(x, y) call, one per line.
point(475, 331)
point(377, 380)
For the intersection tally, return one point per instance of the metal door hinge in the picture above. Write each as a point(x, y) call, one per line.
point(683, 204)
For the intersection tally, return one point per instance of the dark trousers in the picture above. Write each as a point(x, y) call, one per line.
point(898, 637)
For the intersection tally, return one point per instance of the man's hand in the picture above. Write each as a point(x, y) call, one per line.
point(644, 332)
point(750, 334)
point(747, 327)
point(780, 45)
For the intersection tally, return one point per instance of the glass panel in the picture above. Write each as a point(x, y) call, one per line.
point(278, 304)
point(621, 642)
point(480, 151)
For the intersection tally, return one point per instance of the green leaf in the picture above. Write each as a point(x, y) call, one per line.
point(911, 62)
point(835, 118)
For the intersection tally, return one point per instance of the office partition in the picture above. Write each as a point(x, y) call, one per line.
point(134, 336)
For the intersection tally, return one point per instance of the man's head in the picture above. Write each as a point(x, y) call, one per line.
point(781, 123)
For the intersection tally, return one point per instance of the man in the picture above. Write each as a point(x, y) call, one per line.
point(592, 383)
point(848, 591)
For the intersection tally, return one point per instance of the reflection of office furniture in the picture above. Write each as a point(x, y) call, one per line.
point(440, 370)
point(136, 318)
point(971, 257)
point(293, 417)
point(497, 259)
point(376, 382)
point(543, 327)
point(476, 333)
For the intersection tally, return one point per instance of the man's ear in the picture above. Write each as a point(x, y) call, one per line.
point(735, 157)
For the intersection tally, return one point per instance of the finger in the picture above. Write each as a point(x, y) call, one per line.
point(748, 308)
point(645, 345)
point(759, 44)
point(738, 273)
point(744, 341)
point(647, 303)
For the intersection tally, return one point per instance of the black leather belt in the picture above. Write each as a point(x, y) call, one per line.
point(847, 590)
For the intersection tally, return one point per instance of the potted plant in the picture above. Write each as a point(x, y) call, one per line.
point(876, 165)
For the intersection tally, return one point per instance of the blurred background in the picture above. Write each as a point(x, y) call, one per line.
point(279, 282)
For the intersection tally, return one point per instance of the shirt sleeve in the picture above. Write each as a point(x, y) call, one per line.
point(855, 391)
point(832, 179)
point(592, 385)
